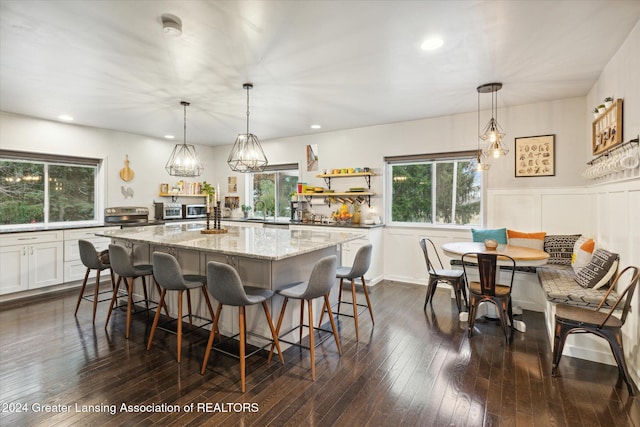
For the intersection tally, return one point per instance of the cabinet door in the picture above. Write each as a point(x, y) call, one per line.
point(14, 264)
point(45, 264)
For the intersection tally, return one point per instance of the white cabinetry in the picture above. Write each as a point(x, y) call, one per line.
point(73, 267)
point(349, 249)
point(30, 260)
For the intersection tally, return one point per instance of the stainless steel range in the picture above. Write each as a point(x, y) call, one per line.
point(126, 215)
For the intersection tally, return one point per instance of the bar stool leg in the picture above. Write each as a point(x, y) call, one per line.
point(179, 324)
point(212, 335)
point(113, 300)
point(366, 294)
point(333, 324)
point(156, 319)
point(129, 304)
point(189, 305)
point(355, 306)
point(242, 344)
point(84, 285)
point(311, 341)
point(274, 335)
point(280, 318)
point(95, 296)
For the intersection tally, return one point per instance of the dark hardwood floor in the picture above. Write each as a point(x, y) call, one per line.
point(411, 369)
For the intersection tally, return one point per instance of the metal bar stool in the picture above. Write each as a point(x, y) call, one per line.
point(121, 265)
point(92, 261)
point(320, 282)
point(226, 287)
point(168, 275)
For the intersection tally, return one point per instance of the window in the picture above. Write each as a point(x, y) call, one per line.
point(435, 190)
point(271, 190)
point(38, 191)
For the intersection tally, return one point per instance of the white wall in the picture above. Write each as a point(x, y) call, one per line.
point(147, 156)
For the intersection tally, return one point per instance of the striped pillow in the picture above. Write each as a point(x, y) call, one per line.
point(528, 240)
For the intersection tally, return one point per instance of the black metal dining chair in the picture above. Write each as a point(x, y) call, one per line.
point(454, 278)
point(487, 290)
point(580, 320)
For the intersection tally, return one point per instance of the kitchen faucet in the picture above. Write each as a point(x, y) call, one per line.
point(264, 208)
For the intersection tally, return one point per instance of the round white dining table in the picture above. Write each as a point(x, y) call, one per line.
point(523, 256)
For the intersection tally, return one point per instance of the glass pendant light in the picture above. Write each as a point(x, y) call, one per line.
point(247, 154)
point(492, 132)
point(184, 159)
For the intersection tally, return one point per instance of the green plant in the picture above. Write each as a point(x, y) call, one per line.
point(208, 189)
point(595, 110)
point(608, 99)
point(601, 106)
point(246, 208)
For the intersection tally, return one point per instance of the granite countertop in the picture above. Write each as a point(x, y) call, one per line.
point(262, 243)
point(314, 224)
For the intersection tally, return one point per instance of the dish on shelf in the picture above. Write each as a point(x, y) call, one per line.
point(356, 189)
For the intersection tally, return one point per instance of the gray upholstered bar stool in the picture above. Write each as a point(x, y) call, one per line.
point(168, 275)
point(322, 278)
point(361, 264)
point(225, 285)
point(121, 265)
point(92, 261)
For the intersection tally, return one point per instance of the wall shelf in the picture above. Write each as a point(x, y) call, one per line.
point(181, 195)
point(328, 176)
point(328, 196)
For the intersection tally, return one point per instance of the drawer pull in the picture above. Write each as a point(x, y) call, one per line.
point(27, 238)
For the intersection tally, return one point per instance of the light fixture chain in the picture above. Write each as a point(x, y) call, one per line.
point(248, 88)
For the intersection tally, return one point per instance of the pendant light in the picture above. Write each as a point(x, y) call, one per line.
point(184, 160)
point(246, 154)
point(492, 132)
point(482, 163)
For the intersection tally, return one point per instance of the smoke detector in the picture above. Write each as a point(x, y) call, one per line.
point(171, 25)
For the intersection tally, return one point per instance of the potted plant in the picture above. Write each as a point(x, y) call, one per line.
point(294, 196)
point(608, 101)
point(601, 108)
point(209, 190)
point(246, 209)
point(595, 112)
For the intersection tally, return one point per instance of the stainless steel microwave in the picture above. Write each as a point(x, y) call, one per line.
point(168, 211)
point(194, 211)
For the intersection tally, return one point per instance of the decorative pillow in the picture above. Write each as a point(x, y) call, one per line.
point(582, 253)
point(480, 235)
point(599, 271)
point(560, 248)
point(528, 240)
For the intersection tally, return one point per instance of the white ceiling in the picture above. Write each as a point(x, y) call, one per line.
point(342, 64)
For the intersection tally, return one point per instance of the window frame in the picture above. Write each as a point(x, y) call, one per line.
point(433, 158)
point(249, 188)
point(60, 160)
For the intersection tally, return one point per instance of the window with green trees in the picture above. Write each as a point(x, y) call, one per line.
point(40, 192)
point(273, 189)
point(436, 191)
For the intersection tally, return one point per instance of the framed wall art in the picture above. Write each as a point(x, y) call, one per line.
point(606, 130)
point(535, 156)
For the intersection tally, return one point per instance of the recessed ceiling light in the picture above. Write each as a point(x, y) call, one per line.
point(169, 136)
point(65, 118)
point(316, 127)
point(432, 43)
point(171, 25)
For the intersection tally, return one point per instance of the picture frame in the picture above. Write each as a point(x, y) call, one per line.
point(535, 156)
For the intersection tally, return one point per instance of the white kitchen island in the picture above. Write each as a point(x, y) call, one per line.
point(264, 257)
